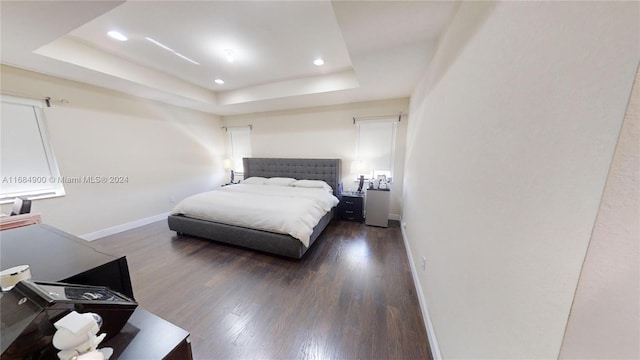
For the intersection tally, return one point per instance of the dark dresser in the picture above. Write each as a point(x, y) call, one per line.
point(54, 255)
point(351, 206)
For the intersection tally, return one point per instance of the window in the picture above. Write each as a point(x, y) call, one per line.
point(28, 167)
point(240, 140)
point(376, 147)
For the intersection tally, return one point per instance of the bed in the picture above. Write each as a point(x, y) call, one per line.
point(327, 170)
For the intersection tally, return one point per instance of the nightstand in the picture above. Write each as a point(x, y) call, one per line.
point(351, 206)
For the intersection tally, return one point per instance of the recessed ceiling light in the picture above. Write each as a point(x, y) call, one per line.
point(117, 35)
point(318, 62)
point(219, 81)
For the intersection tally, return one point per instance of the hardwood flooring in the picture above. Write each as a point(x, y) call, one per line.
point(350, 297)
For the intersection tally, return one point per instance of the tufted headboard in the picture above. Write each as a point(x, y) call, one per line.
point(327, 170)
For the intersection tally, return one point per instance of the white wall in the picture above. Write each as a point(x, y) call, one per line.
point(605, 316)
point(164, 151)
point(511, 134)
point(324, 132)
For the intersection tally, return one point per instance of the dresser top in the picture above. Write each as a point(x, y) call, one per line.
point(52, 254)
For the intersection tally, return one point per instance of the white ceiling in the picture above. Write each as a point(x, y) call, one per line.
point(372, 49)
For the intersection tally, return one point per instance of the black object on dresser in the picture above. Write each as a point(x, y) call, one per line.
point(54, 255)
point(351, 206)
point(147, 336)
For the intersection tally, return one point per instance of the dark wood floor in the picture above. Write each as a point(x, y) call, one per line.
point(350, 297)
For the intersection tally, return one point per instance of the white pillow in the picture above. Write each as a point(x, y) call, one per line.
point(254, 180)
point(313, 184)
point(280, 181)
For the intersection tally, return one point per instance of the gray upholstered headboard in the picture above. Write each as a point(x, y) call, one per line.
point(327, 170)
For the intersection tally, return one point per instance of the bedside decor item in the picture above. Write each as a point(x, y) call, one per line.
point(382, 182)
point(11, 276)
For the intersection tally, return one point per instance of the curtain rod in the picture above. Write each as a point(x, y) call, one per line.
point(47, 99)
point(378, 117)
point(226, 128)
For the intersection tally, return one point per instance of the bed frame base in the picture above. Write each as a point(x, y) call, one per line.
point(279, 244)
point(327, 170)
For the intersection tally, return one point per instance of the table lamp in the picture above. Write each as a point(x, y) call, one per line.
point(228, 165)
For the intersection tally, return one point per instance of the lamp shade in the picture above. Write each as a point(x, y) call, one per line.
point(227, 163)
point(360, 167)
point(357, 166)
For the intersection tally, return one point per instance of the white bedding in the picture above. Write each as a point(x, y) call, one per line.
point(281, 209)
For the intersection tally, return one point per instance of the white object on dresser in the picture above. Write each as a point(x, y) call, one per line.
point(377, 205)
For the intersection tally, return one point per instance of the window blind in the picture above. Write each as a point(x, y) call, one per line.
point(240, 139)
point(376, 146)
point(27, 165)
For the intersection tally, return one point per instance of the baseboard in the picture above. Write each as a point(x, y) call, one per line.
point(395, 217)
point(431, 334)
point(124, 227)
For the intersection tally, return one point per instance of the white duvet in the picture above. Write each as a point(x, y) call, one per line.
point(281, 209)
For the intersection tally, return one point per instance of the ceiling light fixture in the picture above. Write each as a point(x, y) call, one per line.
point(318, 62)
point(186, 58)
point(219, 81)
point(117, 35)
point(160, 44)
point(228, 53)
point(157, 43)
